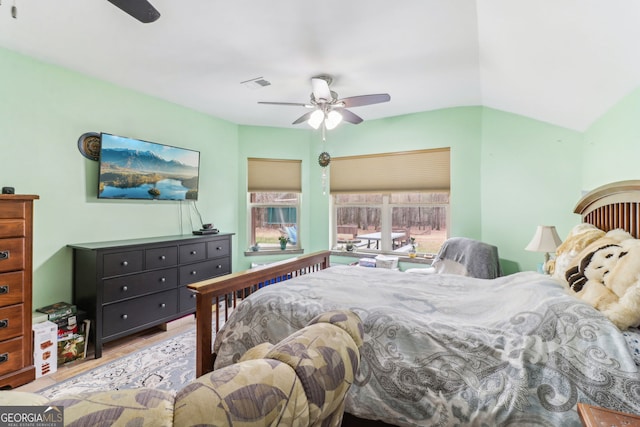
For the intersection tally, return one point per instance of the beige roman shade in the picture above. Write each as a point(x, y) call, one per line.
point(410, 171)
point(274, 175)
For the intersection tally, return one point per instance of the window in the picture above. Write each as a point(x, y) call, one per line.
point(274, 203)
point(404, 203)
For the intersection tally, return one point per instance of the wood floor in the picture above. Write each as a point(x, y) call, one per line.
point(111, 351)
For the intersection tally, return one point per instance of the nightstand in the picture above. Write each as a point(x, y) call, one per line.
point(594, 416)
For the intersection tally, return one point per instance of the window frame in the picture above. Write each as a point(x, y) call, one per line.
point(251, 230)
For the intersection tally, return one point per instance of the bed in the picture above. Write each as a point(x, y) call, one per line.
point(445, 349)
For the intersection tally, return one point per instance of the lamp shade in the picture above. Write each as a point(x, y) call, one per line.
point(546, 239)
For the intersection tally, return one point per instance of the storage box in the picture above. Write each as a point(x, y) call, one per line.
point(386, 261)
point(45, 350)
point(58, 310)
point(71, 348)
point(367, 262)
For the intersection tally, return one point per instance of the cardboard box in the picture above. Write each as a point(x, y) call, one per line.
point(45, 350)
point(386, 261)
point(367, 262)
point(58, 310)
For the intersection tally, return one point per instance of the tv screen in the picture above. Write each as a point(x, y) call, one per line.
point(135, 169)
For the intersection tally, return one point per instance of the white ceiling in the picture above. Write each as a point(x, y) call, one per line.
point(561, 61)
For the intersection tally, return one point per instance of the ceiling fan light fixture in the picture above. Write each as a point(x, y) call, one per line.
point(333, 119)
point(316, 119)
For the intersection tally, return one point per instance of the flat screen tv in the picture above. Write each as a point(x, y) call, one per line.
point(135, 169)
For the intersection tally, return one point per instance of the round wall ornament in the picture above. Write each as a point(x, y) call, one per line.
point(324, 159)
point(89, 145)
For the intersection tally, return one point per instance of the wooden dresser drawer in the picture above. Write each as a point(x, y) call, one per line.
point(12, 254)
point(15, 210)
point(192, 252)
point(133, 285)
point(161, 257)
point(219, 248)
point(11, 288)
point(12, 228)
point(130, 314)
point(204, 270)
point(11, 355)
point(12, 321)
point(122, 263)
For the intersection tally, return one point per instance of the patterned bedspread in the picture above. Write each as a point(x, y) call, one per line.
point(443, 350)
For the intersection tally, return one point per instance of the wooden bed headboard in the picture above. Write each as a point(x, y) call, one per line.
point(611, 206)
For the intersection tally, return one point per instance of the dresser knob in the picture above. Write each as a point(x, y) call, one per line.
point(125, 288)
point(4, 357)
point(193, 252)
point(125, 263)
point(4, 323)
point(4, 255)
point(162, 279)
point(4, 289)
point(193, 273)
point(163, 305)
point(193, 295)
point(219, 248)
point(124, 317)
point(219, 266)
point(162, 257)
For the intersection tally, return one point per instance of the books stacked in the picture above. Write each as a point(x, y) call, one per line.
point(72, 334)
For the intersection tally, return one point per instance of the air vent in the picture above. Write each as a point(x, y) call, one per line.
point(256, 83)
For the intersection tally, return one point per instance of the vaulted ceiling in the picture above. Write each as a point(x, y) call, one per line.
point(565, 62)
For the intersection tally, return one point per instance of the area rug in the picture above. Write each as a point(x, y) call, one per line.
point(167, 365)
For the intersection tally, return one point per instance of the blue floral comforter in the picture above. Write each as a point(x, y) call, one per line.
point(444, 350)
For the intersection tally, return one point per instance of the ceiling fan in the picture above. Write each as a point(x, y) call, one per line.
point(328, 109)
point(142, 10)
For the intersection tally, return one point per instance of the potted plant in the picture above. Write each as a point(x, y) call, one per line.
point(283, 241)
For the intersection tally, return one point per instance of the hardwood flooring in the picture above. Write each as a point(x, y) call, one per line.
point(110, 351)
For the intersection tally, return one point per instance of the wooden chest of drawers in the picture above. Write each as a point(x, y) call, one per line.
point(16, 241)
point(131, 285)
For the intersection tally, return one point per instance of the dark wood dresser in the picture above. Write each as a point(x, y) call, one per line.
point(16, 265)
point(130, 285)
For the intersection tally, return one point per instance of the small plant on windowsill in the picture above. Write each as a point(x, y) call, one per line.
point(283, 241)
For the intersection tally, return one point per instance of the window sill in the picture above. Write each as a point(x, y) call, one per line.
point(421, 259)
point(274, 251)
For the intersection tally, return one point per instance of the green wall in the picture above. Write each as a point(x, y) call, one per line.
point(508, 173)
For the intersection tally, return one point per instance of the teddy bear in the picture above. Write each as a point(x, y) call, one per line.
point(608, 278)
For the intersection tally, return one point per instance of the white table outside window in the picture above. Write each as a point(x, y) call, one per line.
point(377, 236)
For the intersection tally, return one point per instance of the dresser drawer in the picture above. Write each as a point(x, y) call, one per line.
point(122, 263)
point(11, 254)
point(11, 355)
point(204, 270)
point(161, 257)
point(192, 252)
point(11, 288)
point(218, 248)
point(12, 228)
point(187, 299)
point(11, 321)
point(130, 314)
point(16, 210)
point(133, 285)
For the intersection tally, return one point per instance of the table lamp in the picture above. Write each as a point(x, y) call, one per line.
point(545, 240)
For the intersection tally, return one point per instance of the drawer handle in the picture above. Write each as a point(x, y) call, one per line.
point(124, 317)
point(4, 323)
point(219, 248)
point(192, 295)
point(219, 266)
point(125, 288)
point(4, 357)
point(193, 252)
point(163, 279)
point(4, 255)
point(163, 305)
point(193, 273)
point(4, 289)
point(162, 257)
point(125, 263)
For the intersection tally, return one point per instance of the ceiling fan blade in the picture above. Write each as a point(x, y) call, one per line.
point(303, 118)
point(320, 89)
point(142, 10)
point(292, 104)
point(357, 101)
point(348, 116)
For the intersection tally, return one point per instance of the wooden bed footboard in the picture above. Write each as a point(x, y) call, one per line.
point(222, 293)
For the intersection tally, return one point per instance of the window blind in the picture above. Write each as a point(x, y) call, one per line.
point(410, 171)
point(274, 175)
